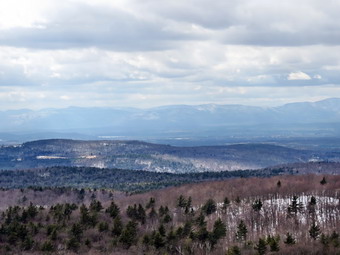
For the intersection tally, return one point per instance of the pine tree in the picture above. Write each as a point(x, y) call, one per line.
point(187, 228)
point(27, 243)
point(323, 181)
point(32, 211)
point(181, 202)
point(161, 211)
point(76, 231)
point(234, 250)
point(158, 241)
point(218, 232)
point(312, 201)
point(129, 234)
point(200, 220)
point(141, 215)
point(314, 231)
point(151, 203)
point(273, 243)
point(226, 203)
point(117, 226)
point(257, 205)
point(278, 184)
point(290, 240)
point(219, 229)
point(209, 207)
point(294, 206)
point(162, 230)
point(152, 213)
point(167, 218)
point(188, 205)
point(103, 226)
point(113, 210)
point(47, 246)
point(242, 231)
point(261, 247)
point(96, 206)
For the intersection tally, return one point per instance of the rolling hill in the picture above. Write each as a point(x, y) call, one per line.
point(136, 155)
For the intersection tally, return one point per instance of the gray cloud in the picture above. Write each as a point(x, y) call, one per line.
point(153, 52)
point(84, 26)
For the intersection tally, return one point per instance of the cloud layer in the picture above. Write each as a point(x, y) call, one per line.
point(148, 53)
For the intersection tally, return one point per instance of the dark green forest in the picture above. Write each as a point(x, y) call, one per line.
point(124, 180)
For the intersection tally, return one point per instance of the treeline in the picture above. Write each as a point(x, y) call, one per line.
point(300, 224)
point(124, 180)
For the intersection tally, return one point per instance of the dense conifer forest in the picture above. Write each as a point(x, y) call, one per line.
point(119, 179)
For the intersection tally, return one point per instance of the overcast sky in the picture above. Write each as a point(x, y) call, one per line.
point(145, 53)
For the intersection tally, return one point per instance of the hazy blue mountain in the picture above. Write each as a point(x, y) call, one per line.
point(179, 121)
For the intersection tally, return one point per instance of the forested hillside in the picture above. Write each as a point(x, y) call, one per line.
point(277, 215)
point(136, 155)
point(139, 181)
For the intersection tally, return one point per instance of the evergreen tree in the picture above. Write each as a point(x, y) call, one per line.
point(257, 205)
point(161, 211)
point(203, 234)
point(141, 215)
point(290, 240)
point(129, 234)
point(167, 218)
point(324, 240)
point(234, 250)
point(103, 226)
point(162, 230)
point(209, 207)
point(311, 205)
point(117, 226)
point(278, 184)
point(242, 231)
point(323, 181)
point(181, 202)
point(27, 244)
point(113, 210)
point(295, 206)
point(273, 243)
point(187, 228)
point(84, 215)
point(152, 213)
point(47, 246)
point(219, 229)
point(151, 203)
point(188, 205)
point(32, 211)
point(158, 241)
point(96, 206)
point(76, 231)
point(73, 244)
point(218, 232)
point(226, 203)
point(261, 247)
point(146, 240)
point(312, 201)
point(314, 231)
point(200, 220)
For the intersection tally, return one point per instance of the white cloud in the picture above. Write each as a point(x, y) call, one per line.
point(298, 76)
point(153, 52)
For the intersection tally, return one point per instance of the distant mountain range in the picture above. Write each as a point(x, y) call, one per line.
point(318, 119)
point(135, 155)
